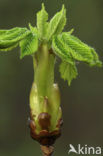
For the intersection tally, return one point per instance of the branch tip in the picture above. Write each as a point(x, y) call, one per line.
point(47, 150)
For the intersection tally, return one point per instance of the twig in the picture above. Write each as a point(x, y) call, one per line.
point(47, 150)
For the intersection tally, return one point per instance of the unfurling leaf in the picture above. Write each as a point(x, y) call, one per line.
point(60, 50)
point(9, 39)
point(57, 23)
point(29, 45)
point(79, 50)
point(96, 60)
point(68, 71)
point(34, 30)
point(42, 24)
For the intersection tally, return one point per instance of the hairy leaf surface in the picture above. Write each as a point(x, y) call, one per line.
point(68, 72)
point(29, 45)
point(60, 50)
point(57, 23)
point(79, 50)
point(10, 38)
point(34, 30)
point(42, 24)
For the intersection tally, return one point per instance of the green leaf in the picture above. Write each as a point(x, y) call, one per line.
point(57, 23)
point(42, 24)
point(60, 50)
point(68, 71)
point(9, 39)
point(96, 60)
point(29, 45)
point(79, 50)
point(34, 30)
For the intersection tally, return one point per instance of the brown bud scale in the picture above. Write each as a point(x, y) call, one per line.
point(45, 137)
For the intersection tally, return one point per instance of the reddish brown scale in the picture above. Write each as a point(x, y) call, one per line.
point(60, 123)
point(44, 120)
point(32, 124)
point(51, 51)
point(44, 137)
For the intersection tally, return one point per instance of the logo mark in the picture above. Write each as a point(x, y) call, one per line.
point(72, 149)
point(85, 150)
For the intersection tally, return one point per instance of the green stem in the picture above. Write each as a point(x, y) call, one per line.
point(45, 96)
point(44, 70)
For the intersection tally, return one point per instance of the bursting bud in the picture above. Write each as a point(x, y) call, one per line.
point(46, 116)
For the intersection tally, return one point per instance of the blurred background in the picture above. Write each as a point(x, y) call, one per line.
point(82, 102)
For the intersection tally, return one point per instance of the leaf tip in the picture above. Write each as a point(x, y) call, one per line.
point(71, 31)
point(43, 6)
point(21, 57)
point(63, 9)
point(69, 83)
point(29, 25)
point(99, 64)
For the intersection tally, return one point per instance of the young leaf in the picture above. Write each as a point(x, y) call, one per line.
point(60, 50)
point(9, 39)
point(42, 24)
point(34, 30)
point(29, 45)
point(68, 71)
point(96, 60)
point(79, 50)
point(57, 23)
